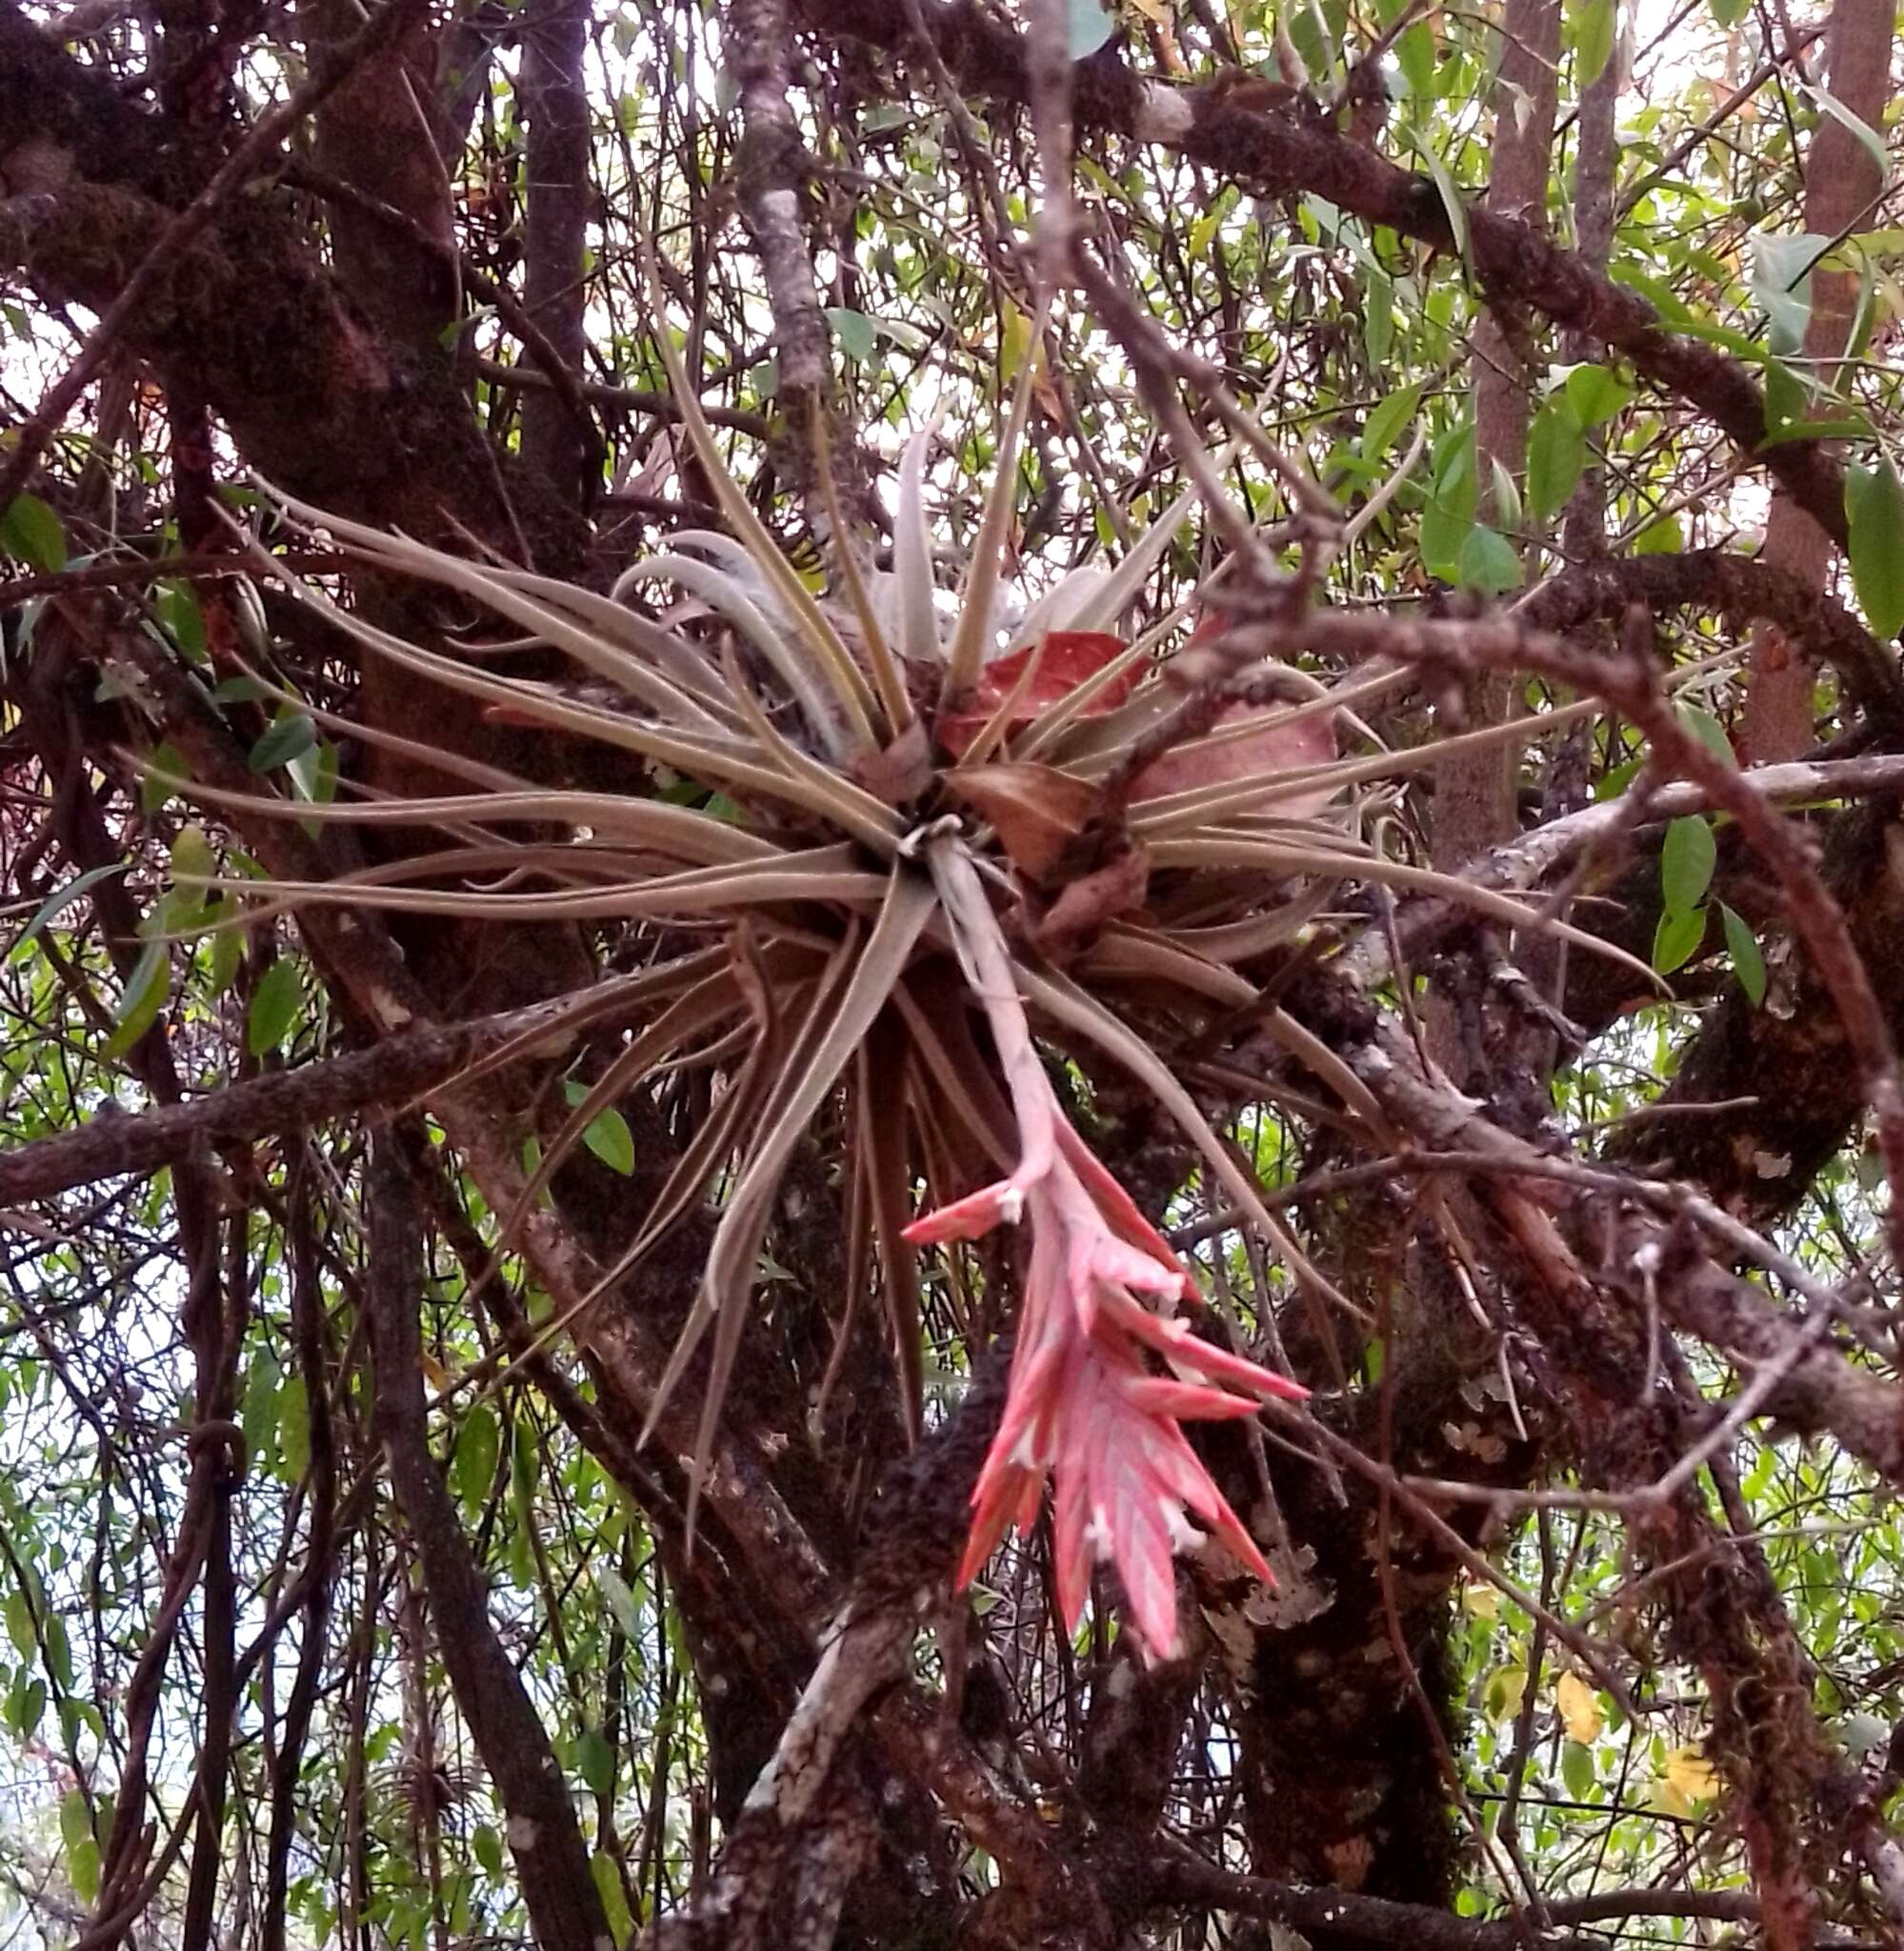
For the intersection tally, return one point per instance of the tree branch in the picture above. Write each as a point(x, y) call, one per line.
point(1284, 151)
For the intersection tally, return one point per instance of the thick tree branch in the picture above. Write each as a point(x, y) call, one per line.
point(557, 439)
point(402, 1065)
point(543, 1836)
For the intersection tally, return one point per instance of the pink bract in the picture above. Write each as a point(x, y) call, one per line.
point(1086, 1401)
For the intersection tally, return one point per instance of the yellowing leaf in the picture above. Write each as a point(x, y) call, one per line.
point(1014, 341)
point(1689, 1777)
point(1483, 1602)
point(1579, 1709)
point(1501, 1697)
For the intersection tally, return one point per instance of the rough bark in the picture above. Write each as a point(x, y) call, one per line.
point(555, 220)
point(376, 134)
point(1476, 797)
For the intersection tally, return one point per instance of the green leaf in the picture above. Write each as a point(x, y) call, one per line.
point(275, 1006)
point(75, 1820)
point(287, 738)
point(155, 790)
point(595, 1761)
point(1504, 504)
point(1662, 537)
point(1595, 393)
point(20, 1626)
point(522, 1501)
point(1678, 938)
point(191, 853)
point(1685, 863)
point(1730, 12)
point(621, 1600)
point(1845, 427)
point(854, 332)
point(1557, 457)
point(1488, 561)
point(1449, 513)
point(607, 1136)
point(1387, 418)
point(1748, 962)
point(145, 995)
point(59, 1650)
point(615, 1898)
point(1874, 507)
point(1086, 27)
point(1710, 733)
point(239, 690)
point(258, 1418)
point(1414, 55)
point(180, 615)
point(1788, 403)
point(489, 1849)
point(26, 1704)
point(1616, 779)
point(1592, 25)
point(227, 957)
point(32, 533)
point(473, 1469)
point(295, 1428)
point(1378, 319)
point(56, 902)
point(82, 1869)
point(1443, 534)
point(1576, 1769)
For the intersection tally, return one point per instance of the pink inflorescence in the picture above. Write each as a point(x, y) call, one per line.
point(1086, 1402)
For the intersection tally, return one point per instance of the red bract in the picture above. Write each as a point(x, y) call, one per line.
point(1086, 1402)
point(1065, 659)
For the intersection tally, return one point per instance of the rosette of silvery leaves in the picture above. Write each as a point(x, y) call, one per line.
point(909, 858)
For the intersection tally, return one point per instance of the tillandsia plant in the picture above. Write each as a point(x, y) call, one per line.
point(897, 824)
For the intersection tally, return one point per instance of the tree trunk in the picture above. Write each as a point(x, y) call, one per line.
point(1842, 186)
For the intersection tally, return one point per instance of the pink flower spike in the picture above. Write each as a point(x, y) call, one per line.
point(1176, 1342)
point(1084, 1401)
point(970, 1217)
point(1187, 1401)
point(1117, 1206)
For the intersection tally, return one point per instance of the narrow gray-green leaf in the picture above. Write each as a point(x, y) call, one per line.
point(61, 898)
point(144, 996)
